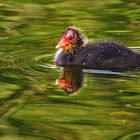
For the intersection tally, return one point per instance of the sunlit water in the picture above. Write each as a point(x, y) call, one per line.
point(105, 105)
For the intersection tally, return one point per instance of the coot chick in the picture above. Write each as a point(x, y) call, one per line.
point(73, 50)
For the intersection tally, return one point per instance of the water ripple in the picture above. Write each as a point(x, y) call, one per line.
point(129, 136)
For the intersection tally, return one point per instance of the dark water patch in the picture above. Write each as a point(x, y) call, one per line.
point(47, 132)
point(8, 12)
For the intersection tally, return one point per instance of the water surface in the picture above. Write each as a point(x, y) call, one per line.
point(106, 105)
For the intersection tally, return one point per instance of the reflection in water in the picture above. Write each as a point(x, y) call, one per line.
point(71, 79)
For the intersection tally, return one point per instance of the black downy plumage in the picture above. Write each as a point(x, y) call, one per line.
point(102, 55)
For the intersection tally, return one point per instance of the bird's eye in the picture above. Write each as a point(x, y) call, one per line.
point(69, 36)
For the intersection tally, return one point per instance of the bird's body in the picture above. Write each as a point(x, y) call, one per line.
point(103, 55)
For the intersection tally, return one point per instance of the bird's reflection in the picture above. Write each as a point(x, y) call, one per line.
point(70, 79)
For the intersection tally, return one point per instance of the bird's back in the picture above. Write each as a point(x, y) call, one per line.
point(106, 55)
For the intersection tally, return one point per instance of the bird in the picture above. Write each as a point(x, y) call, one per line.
point(74, 50)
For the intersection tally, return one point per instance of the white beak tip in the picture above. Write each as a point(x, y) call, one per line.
point(57, 46)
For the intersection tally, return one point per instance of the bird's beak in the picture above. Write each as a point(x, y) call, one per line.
point(58, 46)
point(62, 43)
point(65, 44)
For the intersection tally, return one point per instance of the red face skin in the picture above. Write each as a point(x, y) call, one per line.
point(67, 85)
point(67, 41)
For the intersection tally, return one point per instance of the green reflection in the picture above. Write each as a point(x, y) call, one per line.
point(32, 106)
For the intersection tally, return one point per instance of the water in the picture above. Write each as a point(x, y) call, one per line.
point(105, 104)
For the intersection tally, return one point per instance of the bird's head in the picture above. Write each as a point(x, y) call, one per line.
point(70, 39)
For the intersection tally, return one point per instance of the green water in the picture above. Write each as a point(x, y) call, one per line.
point(32, 106)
